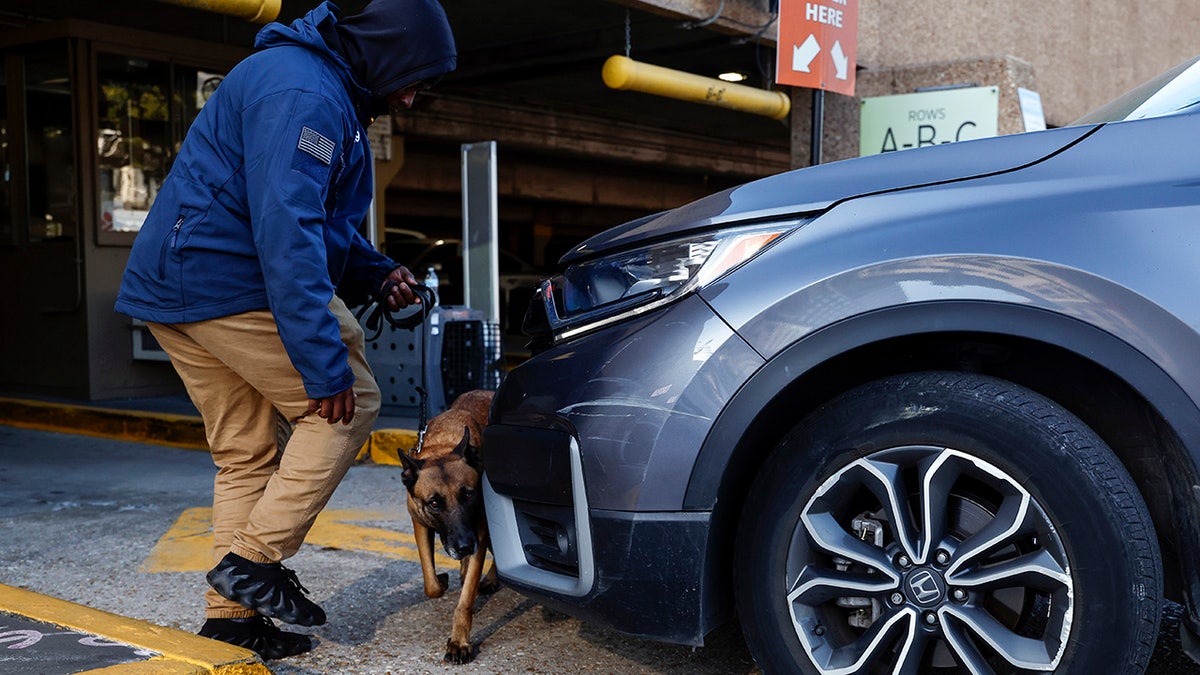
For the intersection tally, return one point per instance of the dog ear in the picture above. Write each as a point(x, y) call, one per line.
point(471, 454)
point(412, 466)
point(468, 452)
point(465, 443)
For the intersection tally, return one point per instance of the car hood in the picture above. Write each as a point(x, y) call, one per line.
point(817, 188)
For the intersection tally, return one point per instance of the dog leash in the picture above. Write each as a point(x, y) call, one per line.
point(422, 419)
point(377, 312)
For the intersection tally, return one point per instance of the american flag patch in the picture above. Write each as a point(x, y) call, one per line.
point(316, 145)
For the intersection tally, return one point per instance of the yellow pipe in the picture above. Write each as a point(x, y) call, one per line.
point(256, 11)
point(622, 72)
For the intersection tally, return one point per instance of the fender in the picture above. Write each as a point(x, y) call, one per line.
point(732, 436)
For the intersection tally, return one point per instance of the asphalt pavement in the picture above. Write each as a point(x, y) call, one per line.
point(103, 549)
point(117, 527)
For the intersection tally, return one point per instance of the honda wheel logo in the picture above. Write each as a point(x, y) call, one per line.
point(925, 587)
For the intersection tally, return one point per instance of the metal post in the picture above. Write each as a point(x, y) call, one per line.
point(818, 122)
point(481, 267)
point(373, 226)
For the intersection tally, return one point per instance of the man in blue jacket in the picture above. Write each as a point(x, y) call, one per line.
point(243, 269)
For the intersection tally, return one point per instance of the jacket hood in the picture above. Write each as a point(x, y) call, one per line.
point(305, 31)
point(310, 31)
point(392, 44)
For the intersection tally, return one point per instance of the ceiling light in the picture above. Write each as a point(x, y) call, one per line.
point(732, 76)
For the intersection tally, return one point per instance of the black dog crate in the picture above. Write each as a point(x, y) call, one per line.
point(458, 350)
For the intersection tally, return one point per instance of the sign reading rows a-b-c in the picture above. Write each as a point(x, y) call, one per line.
point(903, 121)
point(817, 44)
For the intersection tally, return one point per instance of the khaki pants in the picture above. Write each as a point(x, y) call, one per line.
point(238, 374)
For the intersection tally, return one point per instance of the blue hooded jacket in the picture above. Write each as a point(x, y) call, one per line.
point(261, 207)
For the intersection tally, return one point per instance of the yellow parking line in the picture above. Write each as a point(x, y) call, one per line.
point(187, 545)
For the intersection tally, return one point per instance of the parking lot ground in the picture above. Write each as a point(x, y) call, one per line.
point(43, 634)
point(120, 526)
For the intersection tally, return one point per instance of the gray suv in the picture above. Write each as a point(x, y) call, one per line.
point(928, 411)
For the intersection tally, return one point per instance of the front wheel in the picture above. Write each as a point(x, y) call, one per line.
point(946, 523)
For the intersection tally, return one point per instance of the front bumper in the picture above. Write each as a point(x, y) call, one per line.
point(587, 460)
point(639, 573)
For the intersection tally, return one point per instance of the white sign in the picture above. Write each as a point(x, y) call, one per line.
point(1031, 109)
point(379, 134)
point(891, 123)
point(206, 84)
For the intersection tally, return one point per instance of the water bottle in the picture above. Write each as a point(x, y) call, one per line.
point(431, 281)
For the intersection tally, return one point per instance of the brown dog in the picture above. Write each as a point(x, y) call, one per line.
point(444, 497)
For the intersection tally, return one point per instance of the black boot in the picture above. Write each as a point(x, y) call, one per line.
point(258, 634)
point(267, 588)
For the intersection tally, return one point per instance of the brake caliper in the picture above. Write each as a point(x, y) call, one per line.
point(864, 611)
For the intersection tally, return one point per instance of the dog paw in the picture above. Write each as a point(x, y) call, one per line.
point(458, 653)
point(438, 589)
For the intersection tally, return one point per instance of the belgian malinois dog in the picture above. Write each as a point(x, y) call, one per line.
point(445, 497)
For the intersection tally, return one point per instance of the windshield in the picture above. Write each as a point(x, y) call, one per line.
point(1174, 91)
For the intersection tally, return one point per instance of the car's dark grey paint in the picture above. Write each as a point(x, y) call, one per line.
point(632, 420)
point(1063, 261)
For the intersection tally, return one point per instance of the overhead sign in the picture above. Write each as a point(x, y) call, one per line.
point(890, 123)
point(817, 45)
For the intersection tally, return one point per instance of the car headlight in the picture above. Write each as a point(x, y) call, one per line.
point(597, 292)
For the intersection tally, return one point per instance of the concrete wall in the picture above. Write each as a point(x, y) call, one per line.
point(1084, 52)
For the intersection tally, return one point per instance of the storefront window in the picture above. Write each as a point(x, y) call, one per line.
point(143, 119)
point(134, 137)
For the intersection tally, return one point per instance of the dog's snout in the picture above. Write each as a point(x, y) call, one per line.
point(460, 545)
point(460, 553)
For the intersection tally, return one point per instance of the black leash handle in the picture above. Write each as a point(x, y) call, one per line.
point(377, 310)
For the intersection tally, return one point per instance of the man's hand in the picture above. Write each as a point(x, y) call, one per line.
point(339, 407)
point(401, 295)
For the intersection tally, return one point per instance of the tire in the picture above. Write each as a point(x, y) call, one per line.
point(1042, 556)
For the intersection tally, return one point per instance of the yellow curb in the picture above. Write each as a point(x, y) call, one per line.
point(181, 652)
point(387, 444)
point(180, 431)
